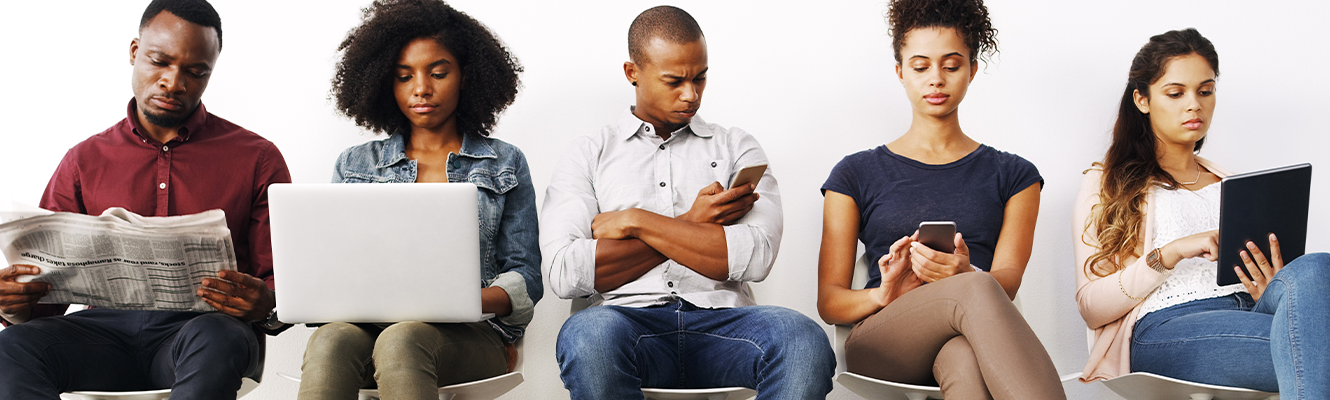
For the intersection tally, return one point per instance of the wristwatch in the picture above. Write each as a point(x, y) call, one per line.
point(1156, 261)
point(271, 323)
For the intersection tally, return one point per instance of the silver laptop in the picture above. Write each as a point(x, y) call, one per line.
point(375, 252)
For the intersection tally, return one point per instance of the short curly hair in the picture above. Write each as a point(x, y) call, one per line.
point(968, 17)
point(363, 86)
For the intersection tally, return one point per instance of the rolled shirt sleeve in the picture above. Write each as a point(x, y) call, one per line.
point(754, 240)
point(565, 226)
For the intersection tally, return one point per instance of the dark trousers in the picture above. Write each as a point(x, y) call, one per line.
point(197, 355)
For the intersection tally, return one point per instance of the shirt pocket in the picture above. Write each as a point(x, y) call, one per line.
point(703, 172)
point(491, 190)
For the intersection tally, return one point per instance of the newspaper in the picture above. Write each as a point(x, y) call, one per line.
point(119, 259)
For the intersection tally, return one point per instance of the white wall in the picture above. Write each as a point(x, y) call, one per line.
point(812, 80)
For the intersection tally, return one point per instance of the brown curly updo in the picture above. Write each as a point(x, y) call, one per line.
point(968, 17)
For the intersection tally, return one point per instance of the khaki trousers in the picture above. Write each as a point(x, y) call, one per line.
point(961, 332)
point(408, 360)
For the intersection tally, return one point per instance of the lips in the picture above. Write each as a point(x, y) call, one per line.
point(166, 103)
point(687, 113)
point(1193, 124)
point(936, 98)
point(422, 108)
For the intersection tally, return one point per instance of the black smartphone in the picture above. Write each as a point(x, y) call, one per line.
point(938, 235)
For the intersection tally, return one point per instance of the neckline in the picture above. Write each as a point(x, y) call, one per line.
point(918, 164)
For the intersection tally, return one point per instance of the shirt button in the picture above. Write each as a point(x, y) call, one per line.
point(648, 128)
point(662, 147)
point(713, 164)
point(662, 184)
point(673, 292)
point(671, 284)
point(161, 185)
point(166, 148)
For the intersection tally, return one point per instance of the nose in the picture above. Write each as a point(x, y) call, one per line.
point(934, 76)
point(170, 82)
point(689, 93)
point(420, 89)
point(1193, 103)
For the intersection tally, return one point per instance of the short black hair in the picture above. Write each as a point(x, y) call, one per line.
point(198, 12)
point(666, 22)
point(363, 88)
point(968, 17)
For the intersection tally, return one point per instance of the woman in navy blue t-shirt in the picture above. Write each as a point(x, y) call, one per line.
point(929, 317)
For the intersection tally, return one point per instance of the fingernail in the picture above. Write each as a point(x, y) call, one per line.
point(1251, 245)
point(1272, 236)
point(1244, 254)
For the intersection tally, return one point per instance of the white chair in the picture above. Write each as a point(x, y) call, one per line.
point(1148, 386)
point(725, 393)
point(870, 388)
point(484, 389)
point(246, 385)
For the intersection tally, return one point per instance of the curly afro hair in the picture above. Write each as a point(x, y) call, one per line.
point(968, 17)
point(363, 86)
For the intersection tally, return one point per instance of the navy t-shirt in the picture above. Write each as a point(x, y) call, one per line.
point(895, 194)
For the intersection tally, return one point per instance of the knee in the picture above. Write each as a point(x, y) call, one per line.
point(797, 337)
point(402, 339)
point(595, 332)
point(218, 332)
point(18, 344)
point(338, 337)
point(1313, 267)
point(977, 289)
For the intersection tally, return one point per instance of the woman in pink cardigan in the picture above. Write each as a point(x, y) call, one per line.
point(1146, 243)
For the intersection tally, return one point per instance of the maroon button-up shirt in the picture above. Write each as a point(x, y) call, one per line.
point(213, 164)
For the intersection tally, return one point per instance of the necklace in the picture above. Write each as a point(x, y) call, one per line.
point(1198, 177)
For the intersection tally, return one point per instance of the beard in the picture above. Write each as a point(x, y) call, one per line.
point(166, 120)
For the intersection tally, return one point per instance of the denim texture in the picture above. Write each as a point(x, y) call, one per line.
point(1274, 344)
point(611, 352)
point(509, 230)
point(198, 355)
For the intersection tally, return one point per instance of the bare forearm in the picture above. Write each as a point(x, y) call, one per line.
point(699, 246)
point(494, 300)
point(1010, 280)
point(842, 306)
point(621, 261)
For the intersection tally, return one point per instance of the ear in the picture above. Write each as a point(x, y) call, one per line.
point(630, 72)
point(898, 74)
point(133, 50)
point(974, 69)
point(1142, 102)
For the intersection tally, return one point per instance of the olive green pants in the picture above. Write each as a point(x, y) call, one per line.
point(407, 360)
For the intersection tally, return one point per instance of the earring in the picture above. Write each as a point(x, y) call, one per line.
point(634, 83)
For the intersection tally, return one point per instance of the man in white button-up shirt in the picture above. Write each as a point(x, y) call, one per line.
point(636, 219)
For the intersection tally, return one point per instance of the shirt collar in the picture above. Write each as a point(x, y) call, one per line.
point(394, 149)
point(629, 124)
point(191, 125)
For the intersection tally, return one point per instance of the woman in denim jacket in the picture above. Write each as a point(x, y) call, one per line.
point(435, 80)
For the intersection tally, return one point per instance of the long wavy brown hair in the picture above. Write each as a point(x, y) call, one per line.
point(1131, 166)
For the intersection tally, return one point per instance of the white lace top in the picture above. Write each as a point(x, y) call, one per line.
point(1179, 213)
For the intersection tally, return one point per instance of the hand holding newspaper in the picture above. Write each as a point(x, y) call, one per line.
point(119, 259)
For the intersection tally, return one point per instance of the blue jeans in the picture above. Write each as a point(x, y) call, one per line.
point(197, 355)
point(1275, 344)
point(611, 352)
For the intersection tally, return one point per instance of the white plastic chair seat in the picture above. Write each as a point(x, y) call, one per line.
point(246, 385)
point(1148, 386)
point(484, 389)
point(728, 393)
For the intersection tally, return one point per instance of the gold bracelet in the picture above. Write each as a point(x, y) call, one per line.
point(1124, 290)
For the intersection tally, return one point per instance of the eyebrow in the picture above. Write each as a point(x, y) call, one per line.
point(668, 75)
point(163, 56)
point(954, 53)
point(1207, 81)
point(431, 65)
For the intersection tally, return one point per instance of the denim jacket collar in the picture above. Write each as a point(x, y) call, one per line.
point(629, 125)
point(394, 149)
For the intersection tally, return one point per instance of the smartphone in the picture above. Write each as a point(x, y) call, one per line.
point(749, 174)
point(938, 235)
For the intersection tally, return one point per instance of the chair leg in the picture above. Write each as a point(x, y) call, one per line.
point(916, 396)
point(1202, 396)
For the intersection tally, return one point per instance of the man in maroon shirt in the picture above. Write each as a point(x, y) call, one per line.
point(168, 157)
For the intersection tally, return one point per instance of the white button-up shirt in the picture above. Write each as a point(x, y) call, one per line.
point(628, 165)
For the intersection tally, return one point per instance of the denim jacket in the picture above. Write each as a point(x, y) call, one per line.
point(509, 231)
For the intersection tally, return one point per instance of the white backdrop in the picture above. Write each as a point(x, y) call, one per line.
point(812, 81)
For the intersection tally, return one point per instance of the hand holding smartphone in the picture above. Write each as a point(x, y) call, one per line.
point(749, 174)
point(938, 235)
